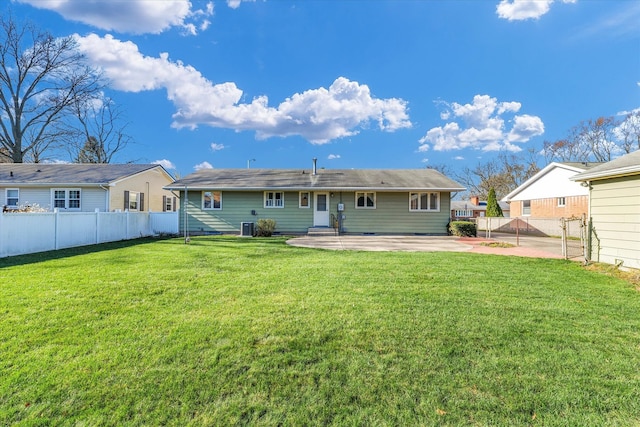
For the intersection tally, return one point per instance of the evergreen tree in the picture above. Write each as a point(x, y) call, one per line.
point(493, 208)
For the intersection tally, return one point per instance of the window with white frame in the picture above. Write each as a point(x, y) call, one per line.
point(274, 199)
point(526, 207)
point(66, 198)
point(212, 200)
point(365, 200)
point(133, 201)
point(304, 199)
point(428, 201)
point(12, 197)
point(562, 202)
point(168, 203)
point(464, 213)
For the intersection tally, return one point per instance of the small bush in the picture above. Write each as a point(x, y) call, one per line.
point(265, 227)
point(463, 228)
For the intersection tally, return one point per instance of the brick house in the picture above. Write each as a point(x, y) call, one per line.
point(474, 208)
point(551, 193)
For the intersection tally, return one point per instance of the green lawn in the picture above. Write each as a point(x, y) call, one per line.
point(232, 331)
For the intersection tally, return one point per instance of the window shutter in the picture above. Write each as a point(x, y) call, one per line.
point(175, 204)
point(164, 203)
point(126, 200)
point(141, 207)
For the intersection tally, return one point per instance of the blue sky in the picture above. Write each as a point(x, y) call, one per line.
point(357, 84)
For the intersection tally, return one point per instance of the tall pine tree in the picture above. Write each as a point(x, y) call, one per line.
point(493, 208)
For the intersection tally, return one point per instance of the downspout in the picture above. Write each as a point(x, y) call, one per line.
point(186, 220)
point(106, 198)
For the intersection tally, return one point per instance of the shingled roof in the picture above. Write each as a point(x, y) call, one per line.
point(626, 165)
point(85, 174)
point(324, 179)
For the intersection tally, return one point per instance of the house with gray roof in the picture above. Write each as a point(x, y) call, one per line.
point(302, 200)
point(551, 193)
point(464, 210)
point(86, 187)
point(614, 209)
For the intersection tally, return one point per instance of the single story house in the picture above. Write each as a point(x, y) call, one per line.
point(351, 201)
point(614, 209)
point(551, 193)
point(86, 187)
point(474, 208)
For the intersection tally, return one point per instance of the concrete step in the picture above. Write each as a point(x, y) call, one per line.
point(322, 231)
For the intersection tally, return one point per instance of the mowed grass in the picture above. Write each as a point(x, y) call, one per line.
point(232, 331)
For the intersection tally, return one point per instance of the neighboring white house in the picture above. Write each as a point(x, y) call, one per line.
point(551, 193)
point(614, 209)
point(86, 187)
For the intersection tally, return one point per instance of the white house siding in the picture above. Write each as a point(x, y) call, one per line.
point(33, 196)
point(92, 199)
point(555, 183)
point(615, 210)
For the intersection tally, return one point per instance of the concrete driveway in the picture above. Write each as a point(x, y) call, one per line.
point(527, 246)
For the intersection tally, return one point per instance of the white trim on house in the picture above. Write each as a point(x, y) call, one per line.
point(554, 180)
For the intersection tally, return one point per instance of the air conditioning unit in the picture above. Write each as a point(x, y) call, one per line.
point(246, 229)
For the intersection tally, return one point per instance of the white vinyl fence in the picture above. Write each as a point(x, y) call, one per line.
point(25, 233)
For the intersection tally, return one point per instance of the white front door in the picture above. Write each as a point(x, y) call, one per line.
point(321, 210)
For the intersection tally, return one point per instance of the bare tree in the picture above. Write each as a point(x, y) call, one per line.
point(598, 140)
point(598, 137)
point(40, 78)
point(503, 174)
point(628, 132)
point(99, 133)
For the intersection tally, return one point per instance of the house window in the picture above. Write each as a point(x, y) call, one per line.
point(424, 201)
point(526, 207)
point(212, 200)
point(274, 199)
point(304, 199)
point(66, 199)
point(13, 197)
point(365, 200)
point(465, 213)
point(562, 202)
point(133, 201)
point(168, 204)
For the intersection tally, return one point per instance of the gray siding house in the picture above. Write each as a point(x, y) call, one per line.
point(614, 209)
point(350, 201)
point(86, 187)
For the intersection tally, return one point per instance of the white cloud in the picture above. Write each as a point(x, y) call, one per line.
point(318, 115)
point(518, 10)
point(131, 16)
point(481, 126)
point(458, 158)
point(203, 165)
point(234, 4)
point(217, 147)
point(333, 156)
point(167, 164)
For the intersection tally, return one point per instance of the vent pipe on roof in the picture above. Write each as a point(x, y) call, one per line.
point(315, 166)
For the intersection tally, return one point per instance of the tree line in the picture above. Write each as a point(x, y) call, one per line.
point(52, 102)
point(591, 141)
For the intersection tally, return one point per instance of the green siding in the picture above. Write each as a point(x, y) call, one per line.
point(236, 209)
point(391, 216)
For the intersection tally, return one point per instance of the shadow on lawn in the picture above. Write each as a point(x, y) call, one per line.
point(228, 241)
point(12, 261)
